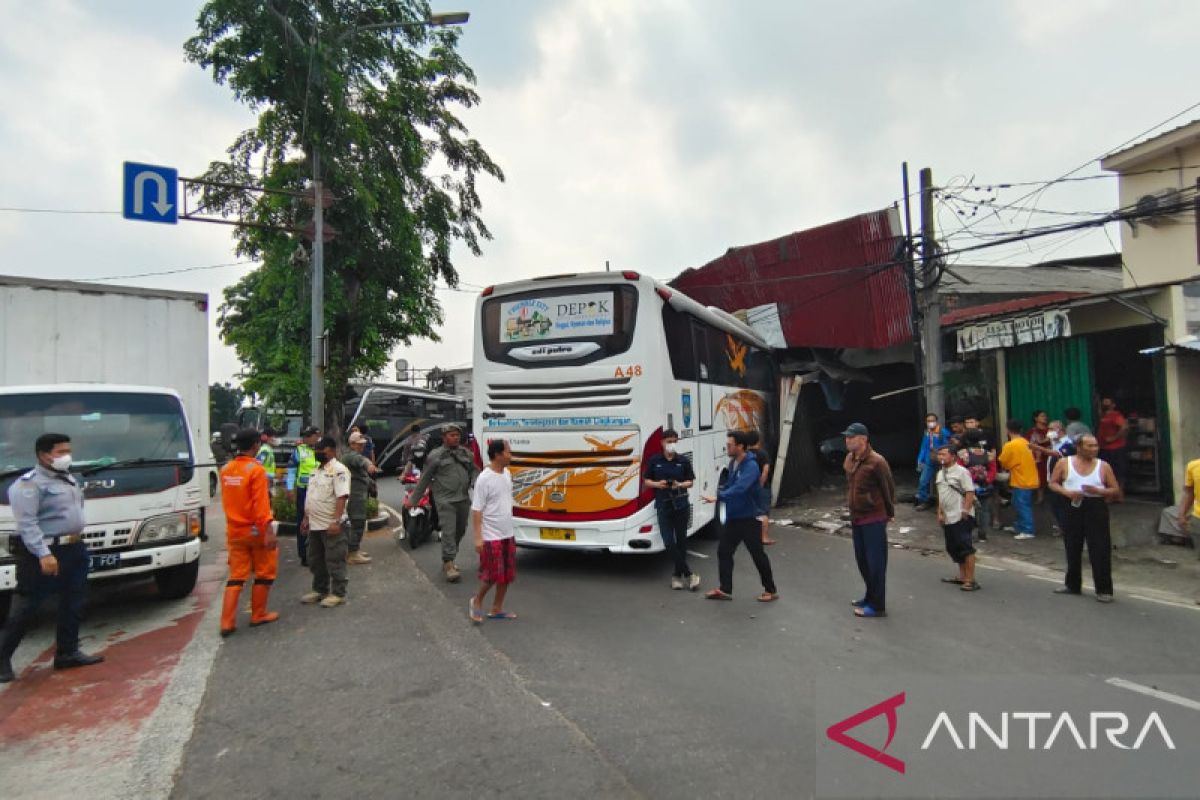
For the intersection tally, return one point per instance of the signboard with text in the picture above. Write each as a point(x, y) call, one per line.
point(1013, 331)
point(542, 318)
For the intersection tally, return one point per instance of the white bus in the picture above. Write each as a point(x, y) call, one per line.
point(581, 373)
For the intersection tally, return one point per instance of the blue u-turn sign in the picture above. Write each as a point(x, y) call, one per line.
point(151, 193)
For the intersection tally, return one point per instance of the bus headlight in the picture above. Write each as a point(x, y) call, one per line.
point(6, 544)
point(167, 526)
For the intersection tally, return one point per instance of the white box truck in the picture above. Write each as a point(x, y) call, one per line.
point(123, 371)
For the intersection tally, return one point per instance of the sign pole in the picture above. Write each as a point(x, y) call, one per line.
point(317, 387)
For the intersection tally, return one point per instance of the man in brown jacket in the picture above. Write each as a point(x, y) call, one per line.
point(871, 497)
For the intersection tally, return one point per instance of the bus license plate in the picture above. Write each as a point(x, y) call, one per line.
point(105, 561)
point(558, 534)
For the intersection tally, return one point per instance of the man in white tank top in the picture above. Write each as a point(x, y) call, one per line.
point(1087, 484)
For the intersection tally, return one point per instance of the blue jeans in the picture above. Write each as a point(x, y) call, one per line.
point(1022, 503)
point(33, 588)
point(928, 470)
point(871, 554)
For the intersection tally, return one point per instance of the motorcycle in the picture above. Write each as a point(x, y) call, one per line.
point(421, 519)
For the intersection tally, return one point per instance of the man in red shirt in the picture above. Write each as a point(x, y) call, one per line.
point(1111, 432)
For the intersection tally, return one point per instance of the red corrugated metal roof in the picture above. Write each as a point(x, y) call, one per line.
point(1008, 307)
point(836, 285)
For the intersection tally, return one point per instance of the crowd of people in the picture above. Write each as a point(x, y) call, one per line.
point(961, 474)
point(1076, 472)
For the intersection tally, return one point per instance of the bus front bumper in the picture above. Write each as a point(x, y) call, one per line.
point(616, 536)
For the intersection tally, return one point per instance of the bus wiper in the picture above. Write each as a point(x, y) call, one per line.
point(129, 462)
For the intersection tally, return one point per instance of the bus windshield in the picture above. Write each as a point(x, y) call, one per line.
point(105, 427)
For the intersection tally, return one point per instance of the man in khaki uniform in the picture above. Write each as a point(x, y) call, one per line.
point(451, 471)
point(324, 512)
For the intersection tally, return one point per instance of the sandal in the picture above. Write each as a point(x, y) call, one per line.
point(767, 542)
point(474, 611)
point(970, 586)
point(868, 612)
point(717, 594)
point(959, 581)
point(768, 597)
point(502, 615)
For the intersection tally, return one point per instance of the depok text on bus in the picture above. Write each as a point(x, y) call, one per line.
point(582, 373)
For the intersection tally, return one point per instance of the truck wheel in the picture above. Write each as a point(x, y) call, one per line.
point(5, 602)
point(176, 582)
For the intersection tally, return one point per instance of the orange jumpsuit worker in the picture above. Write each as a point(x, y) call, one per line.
point(250, 535)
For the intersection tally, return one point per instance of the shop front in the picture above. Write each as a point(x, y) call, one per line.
point(1072, 355)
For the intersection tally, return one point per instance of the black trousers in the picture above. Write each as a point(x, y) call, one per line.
point(748, 532)
point(1088, 524)
point(871, 555)
point(672, 524)
point(33, 588)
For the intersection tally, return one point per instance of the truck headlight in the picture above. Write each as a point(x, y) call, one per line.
point(167, 526)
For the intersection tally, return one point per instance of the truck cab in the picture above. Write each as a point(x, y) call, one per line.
point(135, 457)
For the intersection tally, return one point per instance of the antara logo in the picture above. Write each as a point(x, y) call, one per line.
point(1104, 729)
point(837, 732)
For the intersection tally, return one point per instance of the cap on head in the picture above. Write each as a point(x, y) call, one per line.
point(454, 427)
point(856, 429)
point(246, 438)
point(311, 430)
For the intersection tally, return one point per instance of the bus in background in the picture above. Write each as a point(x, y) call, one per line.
point(386, 411)
point(582, 373)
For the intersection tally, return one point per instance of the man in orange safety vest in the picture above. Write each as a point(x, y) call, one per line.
point(250, 533)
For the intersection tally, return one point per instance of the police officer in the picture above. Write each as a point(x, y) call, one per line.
point(47, 506)
point(301, 466)
point(250, 533)
point(266, 456)
point(451, 470)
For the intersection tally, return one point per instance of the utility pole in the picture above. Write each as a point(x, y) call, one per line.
point(910, 271)
point(317, 387)
point(931, 306)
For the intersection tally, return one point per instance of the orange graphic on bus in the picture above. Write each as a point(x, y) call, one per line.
point(736, 353)
point(577, 481)
point(744, 410)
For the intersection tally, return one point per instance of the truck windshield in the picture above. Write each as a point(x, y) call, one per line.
point(105, 427)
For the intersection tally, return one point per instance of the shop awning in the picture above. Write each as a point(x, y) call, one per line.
point(1189, 345)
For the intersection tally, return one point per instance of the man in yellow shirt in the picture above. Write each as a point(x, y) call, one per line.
point(1023, 478)
point(1190, 502)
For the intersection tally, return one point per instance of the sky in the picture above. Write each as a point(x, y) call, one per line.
point(650, 134)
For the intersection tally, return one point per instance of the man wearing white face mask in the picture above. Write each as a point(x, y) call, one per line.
point(670, 476)
point(47, 506)
point(1060, 445)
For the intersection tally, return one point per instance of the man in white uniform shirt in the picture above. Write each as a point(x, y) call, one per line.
point(495, 542)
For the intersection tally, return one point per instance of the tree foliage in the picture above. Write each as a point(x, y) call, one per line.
point(374, 92)
point(224, 400)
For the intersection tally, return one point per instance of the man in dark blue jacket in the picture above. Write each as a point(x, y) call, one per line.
point(740, 496)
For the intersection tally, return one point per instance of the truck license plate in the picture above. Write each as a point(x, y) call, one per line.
point(103, 561)
point(558, 534)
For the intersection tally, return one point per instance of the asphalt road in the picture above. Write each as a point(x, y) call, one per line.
point(612, 685)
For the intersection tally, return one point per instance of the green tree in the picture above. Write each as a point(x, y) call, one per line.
point(372, 92)
point(224, 400)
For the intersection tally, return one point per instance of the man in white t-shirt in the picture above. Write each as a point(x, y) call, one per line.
point(495, 542)
point(956, 513)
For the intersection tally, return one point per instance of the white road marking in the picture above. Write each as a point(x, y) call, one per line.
point(1150, 691)
point(1165, 602)
point(993, 569)
point(1044, 578)
point(697, 555)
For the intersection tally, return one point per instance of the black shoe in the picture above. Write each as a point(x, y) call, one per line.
point(1066, 590)
point(6, 671)
point(76, 659)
